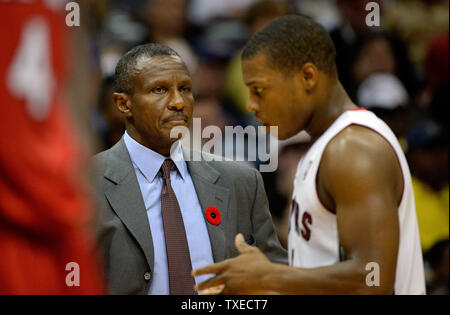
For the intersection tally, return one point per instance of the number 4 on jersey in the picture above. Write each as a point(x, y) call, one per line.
point(30, 76)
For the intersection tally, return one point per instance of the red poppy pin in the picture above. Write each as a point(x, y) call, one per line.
point(213, 215)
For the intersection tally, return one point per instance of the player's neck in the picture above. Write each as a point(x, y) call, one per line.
point(337, 102)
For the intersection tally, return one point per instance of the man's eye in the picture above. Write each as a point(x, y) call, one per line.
point(159, 90)
point(186, 89)
point(258, 91)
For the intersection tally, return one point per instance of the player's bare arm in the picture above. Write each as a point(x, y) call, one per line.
point(365, 201)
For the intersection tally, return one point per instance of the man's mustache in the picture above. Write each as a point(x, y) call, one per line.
point(176, 117)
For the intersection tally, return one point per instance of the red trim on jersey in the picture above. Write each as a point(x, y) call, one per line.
point(359, 108)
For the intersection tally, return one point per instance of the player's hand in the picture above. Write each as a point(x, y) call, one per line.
point(239, 275)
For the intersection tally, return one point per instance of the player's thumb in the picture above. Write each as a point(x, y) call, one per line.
point(241, 245)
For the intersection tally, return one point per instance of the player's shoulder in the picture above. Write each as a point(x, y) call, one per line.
point(357, 138)
point(360, 148)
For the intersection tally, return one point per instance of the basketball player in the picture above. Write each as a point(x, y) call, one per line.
point(46, 244)
point(353, 226)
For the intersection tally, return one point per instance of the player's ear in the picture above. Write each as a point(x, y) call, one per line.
point(123, 103)
point(308, 76)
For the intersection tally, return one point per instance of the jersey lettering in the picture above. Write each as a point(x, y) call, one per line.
point(305, 230)
point(306, 223)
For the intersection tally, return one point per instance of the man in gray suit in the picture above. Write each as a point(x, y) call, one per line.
point(143, 187)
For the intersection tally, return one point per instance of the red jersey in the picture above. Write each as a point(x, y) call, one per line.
point(44, 208)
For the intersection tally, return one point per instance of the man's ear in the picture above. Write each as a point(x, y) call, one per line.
point(308, 76)
point(123, 103)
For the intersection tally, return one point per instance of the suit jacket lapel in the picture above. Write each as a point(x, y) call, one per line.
point(126, 199)
point(211, 194)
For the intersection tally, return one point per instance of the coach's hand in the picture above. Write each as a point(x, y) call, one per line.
point(239, 275)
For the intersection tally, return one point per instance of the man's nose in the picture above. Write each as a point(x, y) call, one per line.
point(176, 101)
point(252, 106)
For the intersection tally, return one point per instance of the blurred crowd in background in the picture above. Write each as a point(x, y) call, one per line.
point(398, 70)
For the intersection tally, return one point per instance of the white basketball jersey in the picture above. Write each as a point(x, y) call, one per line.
point(313, 233)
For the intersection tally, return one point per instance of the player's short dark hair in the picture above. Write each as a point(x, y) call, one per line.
point(126, 67)
point(291, 41)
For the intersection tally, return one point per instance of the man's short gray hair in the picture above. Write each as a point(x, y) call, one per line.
point(127, 65)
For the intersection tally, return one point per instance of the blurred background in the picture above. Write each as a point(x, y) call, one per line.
point(398, 70)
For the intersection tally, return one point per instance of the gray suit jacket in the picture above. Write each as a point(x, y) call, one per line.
point(123, 229)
